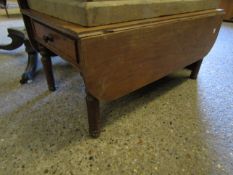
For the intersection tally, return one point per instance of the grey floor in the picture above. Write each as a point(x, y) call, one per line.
point(175, 126)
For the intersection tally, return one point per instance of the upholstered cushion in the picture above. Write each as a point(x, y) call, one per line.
point(101, 12)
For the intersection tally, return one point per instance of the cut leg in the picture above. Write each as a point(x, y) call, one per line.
point(93, 111)
point(47, 65)
point(195, 67)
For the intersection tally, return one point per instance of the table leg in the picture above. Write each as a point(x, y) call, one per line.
point(195, 67)
point(93, 111)
point(47, 65)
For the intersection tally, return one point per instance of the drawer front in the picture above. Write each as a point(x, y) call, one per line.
point(57, 42)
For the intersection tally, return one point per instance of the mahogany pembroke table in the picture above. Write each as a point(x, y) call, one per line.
point(115, 59)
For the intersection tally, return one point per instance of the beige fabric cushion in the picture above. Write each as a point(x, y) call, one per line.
point(101, 12)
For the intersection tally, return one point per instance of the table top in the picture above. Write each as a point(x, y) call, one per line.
point(81, 31)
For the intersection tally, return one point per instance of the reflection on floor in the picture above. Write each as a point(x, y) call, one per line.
point(174, 126)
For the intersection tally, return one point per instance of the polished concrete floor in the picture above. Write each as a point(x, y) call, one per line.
point(175, 126)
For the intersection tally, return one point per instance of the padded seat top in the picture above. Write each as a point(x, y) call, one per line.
point(102, 12)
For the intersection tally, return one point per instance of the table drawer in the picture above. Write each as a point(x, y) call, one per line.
point(57, 42)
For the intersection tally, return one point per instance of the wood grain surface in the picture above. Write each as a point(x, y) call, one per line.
point(227, 5)
point(118, 63)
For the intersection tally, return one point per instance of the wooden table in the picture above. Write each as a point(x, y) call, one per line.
point(18, 38)
point(227, 5)
point(117, 59)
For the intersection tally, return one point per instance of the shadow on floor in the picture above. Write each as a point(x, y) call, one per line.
point(147, 93)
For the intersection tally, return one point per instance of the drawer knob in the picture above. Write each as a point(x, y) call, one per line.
point(48, 38)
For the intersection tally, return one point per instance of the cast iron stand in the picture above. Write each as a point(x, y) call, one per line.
point(19, 37)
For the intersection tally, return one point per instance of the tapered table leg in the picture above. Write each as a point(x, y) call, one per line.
point(195, 68)
point(93, 111)
point(47, 65)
